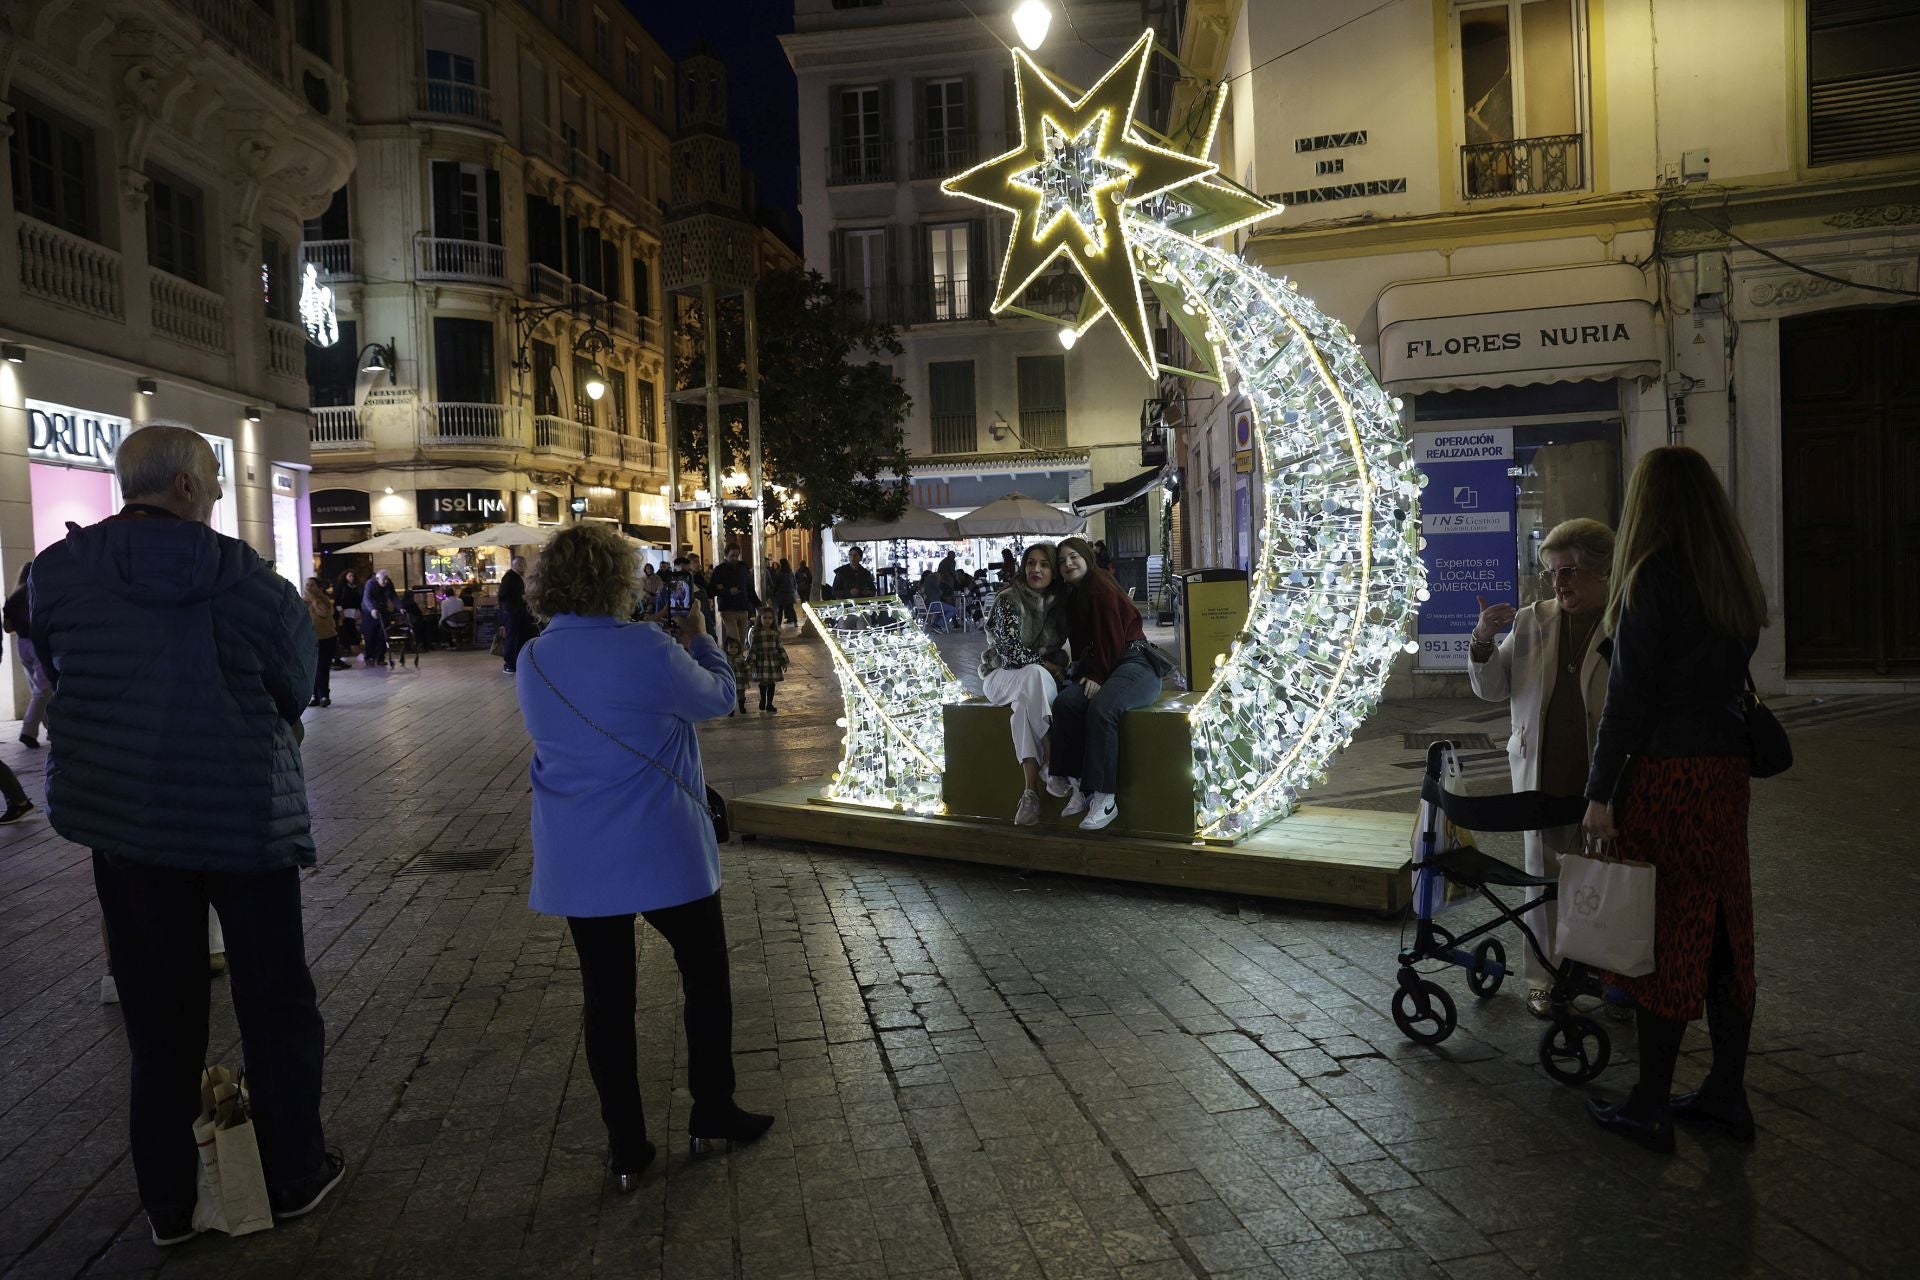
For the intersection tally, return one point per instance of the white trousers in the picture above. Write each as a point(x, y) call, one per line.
point(1543, 859)
point(1029, 691)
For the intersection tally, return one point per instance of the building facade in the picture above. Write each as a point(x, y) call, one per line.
point(162, 159)
point(496, 258)
point(1568, 231)
point(893, 99)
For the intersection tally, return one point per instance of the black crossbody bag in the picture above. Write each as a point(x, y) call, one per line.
point(714, 805)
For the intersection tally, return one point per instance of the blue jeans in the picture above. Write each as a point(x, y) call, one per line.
point(1085, 741)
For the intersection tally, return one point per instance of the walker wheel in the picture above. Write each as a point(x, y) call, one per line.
point(1424, 1012)
point(1575, 1050)
point(1489, 968)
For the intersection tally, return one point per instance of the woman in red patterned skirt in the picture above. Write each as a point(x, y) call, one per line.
point(1668, 785)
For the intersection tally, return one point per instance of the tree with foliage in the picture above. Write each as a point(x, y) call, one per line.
point(830, 420)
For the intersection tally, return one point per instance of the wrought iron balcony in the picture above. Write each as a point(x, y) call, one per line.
point(1522, 167)
point(941, 155)
point(947, 298)
point(850, 163)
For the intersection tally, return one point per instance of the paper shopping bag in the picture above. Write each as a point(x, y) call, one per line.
point(1606, 914)
point(232, 1195)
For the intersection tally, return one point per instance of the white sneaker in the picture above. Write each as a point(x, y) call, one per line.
point(1101, 809)
point(109, 990)
point(1059, 786)
point(1076, 803)
point(1028, 814)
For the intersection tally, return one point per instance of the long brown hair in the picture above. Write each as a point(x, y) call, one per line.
point(1093, 582)
point(1675, 502)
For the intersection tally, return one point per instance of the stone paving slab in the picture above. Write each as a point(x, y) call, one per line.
point(978, 1074)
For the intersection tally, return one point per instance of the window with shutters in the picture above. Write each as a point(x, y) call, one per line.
point(1043, 401)
point(602, 41)
point(616, 401)
point(466, 202)
point(454, 45)
point(583, 403)
point(861, 268)
point(1863, 79)
point(463, 361)
point(645, 425)
point(52, 165)
point(546, 378)
point(174, 227)
point(636, 81)
point(642, 288)
point(948, 277)
point(950, 403)
point(944, 144)
point(860, 151)
point(333, 371)
point(1520, 83)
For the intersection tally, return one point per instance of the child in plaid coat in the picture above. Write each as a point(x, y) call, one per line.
point(738, 657)
point(767, 659)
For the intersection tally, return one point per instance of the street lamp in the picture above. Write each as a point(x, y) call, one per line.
point(1031, 19)
point(596, 381)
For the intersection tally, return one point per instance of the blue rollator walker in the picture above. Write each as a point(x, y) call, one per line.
point(1575, 1048)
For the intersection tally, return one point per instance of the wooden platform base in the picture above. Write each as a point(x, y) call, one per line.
point(1346, 857)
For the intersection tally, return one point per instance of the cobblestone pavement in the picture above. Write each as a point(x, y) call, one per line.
point(978, 1074)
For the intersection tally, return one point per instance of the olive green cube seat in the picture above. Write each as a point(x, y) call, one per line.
point(983, 780)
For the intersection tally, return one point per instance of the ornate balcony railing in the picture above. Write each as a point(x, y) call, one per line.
point(287, 350)
point(337, 259)
point(644, 213)
point(62, 267)
point(456, 100)
point(603, 445)
point(187, 313)
point(944, 298)
point(440, 258)
point(337, 427)
point(246, 28)
point(640, 455)
point(548, 284)
point(941, 155)
point(849, 163)
point(557, 435)
point(470, 425)
point(1522, 167)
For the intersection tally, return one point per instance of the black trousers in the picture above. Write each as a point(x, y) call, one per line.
point(10, 787)
point(373, 627)
point(323, 672)
point(156, 920)
point(519, 630)
point(766, 692)
point(698, 936)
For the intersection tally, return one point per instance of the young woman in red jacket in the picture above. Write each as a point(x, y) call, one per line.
point(1113, 672)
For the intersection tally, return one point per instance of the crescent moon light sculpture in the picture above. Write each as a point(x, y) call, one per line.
point(1339, 573)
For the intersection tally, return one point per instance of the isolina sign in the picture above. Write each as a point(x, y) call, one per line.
point(74, 437)
point(461, 506)
point(317, 310)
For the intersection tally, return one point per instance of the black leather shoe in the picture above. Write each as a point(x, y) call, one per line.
point(1655, 1135)
point(626, 1170)
point(1735, 1118)
point(728, 1124)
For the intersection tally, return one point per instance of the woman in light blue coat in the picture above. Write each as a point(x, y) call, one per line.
point(620, 824)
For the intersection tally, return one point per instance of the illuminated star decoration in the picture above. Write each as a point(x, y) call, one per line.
point(1076, 155)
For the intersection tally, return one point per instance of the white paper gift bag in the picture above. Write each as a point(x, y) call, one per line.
point(1606, 914)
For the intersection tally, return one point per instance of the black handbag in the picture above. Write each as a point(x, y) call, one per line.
point(715, 804)
point(1767, 740)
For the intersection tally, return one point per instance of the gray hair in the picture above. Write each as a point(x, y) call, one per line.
point(148, 460)
point(1590, 541)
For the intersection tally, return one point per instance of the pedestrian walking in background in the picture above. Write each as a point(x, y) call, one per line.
point(1551, 668)
point(853, 580)
point(347, 589)
point(803, 583)
point(176, 759)
point(1672, 770)
point(19, 804)
point(327, 641)
point(783, 593)
point(767, 657)
point(734, 594)
point(742, 672)
point(621, 826)
point(514, 615)
point(376, 603)
point(17, 617)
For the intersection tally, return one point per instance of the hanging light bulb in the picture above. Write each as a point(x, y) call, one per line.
point(1068, 337)
point(1031, 19)
point(596, 381)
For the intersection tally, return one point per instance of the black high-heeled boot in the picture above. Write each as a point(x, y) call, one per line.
point(1643, 1117)
point(627, 1166)
point(724, 1123)
point(1721, 1098)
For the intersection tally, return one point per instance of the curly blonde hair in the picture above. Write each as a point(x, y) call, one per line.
point(586, 569)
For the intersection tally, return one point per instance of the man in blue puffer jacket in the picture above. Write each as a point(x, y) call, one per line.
point(181, 663)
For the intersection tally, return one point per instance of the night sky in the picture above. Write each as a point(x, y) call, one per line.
point(760, 84)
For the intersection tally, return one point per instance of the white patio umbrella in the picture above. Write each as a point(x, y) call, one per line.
point(913, 523)
point(505, 535)
point(399, 540)
point(1017, 513)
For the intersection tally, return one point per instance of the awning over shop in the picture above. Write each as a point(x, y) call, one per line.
point(1558, 324)
point(1117, 495)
